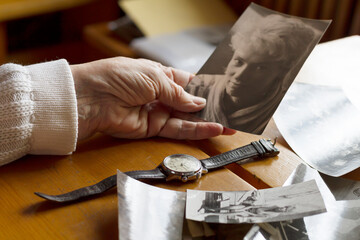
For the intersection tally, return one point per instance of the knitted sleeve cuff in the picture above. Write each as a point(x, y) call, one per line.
point(55, 120)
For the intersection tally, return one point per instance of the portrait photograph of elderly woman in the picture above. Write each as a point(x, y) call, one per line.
point(250, 71)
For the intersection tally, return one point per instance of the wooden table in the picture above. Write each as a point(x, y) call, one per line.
point(23, 214)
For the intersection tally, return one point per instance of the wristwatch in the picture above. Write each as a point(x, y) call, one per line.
point(177, 166)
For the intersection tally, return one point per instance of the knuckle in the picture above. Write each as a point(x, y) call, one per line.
point(178, 92)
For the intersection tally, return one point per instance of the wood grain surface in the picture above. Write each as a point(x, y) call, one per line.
point(26, 216)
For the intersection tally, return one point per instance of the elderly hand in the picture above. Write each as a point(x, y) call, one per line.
point(138, 98)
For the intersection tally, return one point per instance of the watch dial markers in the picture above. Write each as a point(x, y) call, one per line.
point(182, 163)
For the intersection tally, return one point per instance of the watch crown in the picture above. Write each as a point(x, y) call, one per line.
point(184, 179)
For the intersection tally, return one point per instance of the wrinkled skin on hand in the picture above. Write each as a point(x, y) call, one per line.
point(138, 98)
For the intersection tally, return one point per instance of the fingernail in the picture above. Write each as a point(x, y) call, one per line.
point(199, 101)
point(228, 131)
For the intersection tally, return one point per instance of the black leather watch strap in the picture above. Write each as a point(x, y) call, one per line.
point(102, 186)
point(261, 148)
point(147, 174)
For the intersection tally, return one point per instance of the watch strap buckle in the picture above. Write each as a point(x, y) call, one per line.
point(265, 148)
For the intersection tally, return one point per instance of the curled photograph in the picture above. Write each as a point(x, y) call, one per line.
point(266, 205)
point(340, 222)
point(325, 115)
point(250, 71)
point(148, 212)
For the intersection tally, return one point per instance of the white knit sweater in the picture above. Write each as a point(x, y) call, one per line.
point(38, 112)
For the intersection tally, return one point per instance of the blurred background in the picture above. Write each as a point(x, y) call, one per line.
point(40, 30)
point(34, 31)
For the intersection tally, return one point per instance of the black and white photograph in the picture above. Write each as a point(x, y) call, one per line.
point(249, 72)
point(321, 126)
point(266, 205)
point(342, 188)
point(148, 212)
point(292, 229)
point(340, 222)
point(342, 219)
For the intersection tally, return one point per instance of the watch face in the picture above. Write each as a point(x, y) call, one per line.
point(182, 163)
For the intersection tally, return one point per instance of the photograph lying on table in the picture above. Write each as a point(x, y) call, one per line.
point(292, 229)
point(148, 212)
point(250, 71)
point(342, 188)
point(322, 126)
point(340, 222)
point(266, 205)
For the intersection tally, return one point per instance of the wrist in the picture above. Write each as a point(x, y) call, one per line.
point(83, 91)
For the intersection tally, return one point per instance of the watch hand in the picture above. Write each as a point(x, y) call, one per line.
point(185, 168)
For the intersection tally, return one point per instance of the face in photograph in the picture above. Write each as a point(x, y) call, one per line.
point(262, 58)
point(251, 71)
